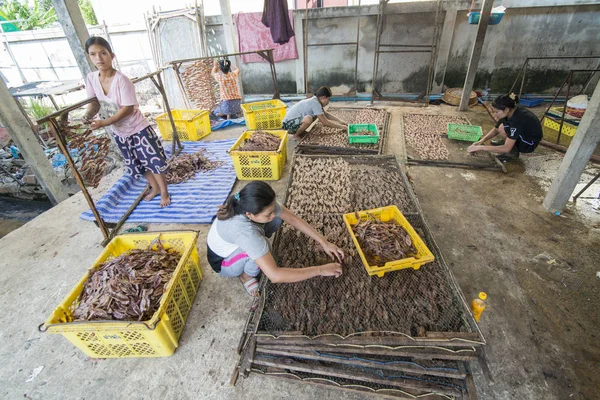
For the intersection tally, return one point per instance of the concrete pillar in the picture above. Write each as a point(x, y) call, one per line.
point(20, 131)
point(230, 41)
point(578, 155)
point(298, 27)
point(486, 10)
point(444, 48)
point(71, 20)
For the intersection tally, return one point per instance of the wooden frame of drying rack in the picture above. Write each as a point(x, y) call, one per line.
point(266, 54)
point(57, 132)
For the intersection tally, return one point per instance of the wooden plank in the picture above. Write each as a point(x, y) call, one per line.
point(234, 376)
point(217, 56)
point(321, 149)
point(115, 230)
point(248, 358)
point(58, 113)
point(287, 363)
point(82, 103)
point(417, 353)
point(469, 382)
point(449, 341)
point(365, 363)
point(53, 125)
point(453, 335)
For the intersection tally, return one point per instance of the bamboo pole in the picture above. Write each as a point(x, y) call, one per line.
point(64, 149)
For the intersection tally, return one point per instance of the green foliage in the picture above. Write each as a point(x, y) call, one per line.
point(40, 15)
point(89, 16)
point(38, 109)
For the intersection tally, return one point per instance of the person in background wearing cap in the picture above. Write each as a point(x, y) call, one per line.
point(520, 128)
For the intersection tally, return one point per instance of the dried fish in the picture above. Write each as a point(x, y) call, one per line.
point(185, 166)
point(382, 242)
point(422, 132)
point(128, 287)
point(325, 136)
point(261, 141)
point(92, 148)
point(201, 88)
point(320, 190)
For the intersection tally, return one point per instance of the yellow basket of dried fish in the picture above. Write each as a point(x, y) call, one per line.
point(256, 164)
point(191, 125)
point(386, 241)
point(264, 114)
point(110, 311)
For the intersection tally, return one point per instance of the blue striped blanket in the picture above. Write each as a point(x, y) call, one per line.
point(192, 202)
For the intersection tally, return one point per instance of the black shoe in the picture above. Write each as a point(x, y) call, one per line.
point(497, 142)
point(508, 156)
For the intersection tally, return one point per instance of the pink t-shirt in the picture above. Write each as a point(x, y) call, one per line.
point(121, 93)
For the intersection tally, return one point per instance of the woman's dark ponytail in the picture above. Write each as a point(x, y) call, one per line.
point(505, 101)
point(323, 91)
point(227, 210)
point(253, 198)
point(225, 66)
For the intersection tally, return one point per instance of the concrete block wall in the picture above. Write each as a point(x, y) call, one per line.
point(529, 28)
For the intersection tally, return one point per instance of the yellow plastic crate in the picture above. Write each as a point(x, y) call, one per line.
point(385, 214)
point(261, 165)
point(264, 114)
point(567, 128)
point(157, 337)
point(191, 125)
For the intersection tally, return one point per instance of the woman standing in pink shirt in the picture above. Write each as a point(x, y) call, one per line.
point(119, 113)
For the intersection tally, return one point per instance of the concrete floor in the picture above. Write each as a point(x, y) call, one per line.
point(541, 322)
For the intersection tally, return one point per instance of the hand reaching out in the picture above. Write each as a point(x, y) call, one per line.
point(333, 251)
point(331, 269)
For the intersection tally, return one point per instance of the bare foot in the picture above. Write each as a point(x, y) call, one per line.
point(165, 200)
point(152, 194)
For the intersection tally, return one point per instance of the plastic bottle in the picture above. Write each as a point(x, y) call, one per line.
point(14, 150)
point(478, 305)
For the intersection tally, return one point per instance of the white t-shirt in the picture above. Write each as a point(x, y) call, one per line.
point(301, 109)
point(227, 236)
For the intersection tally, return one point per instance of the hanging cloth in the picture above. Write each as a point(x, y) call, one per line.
point(276, 18)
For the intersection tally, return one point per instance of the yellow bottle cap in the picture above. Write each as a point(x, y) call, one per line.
point(482, 295)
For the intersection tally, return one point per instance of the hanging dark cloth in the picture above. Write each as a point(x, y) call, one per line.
point(276, 17)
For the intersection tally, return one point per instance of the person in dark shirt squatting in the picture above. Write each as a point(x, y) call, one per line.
point(520, 128)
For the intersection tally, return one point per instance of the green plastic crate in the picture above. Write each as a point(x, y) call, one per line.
point(353, 139)
point(467, 133)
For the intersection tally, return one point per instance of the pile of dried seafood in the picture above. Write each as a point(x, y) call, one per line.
point(93, 149)
point(332, 137)
point(422, 133)
point(261, 141)
point(382, 242)
point(202, 89)
point(185, 166)
point(128, 287)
